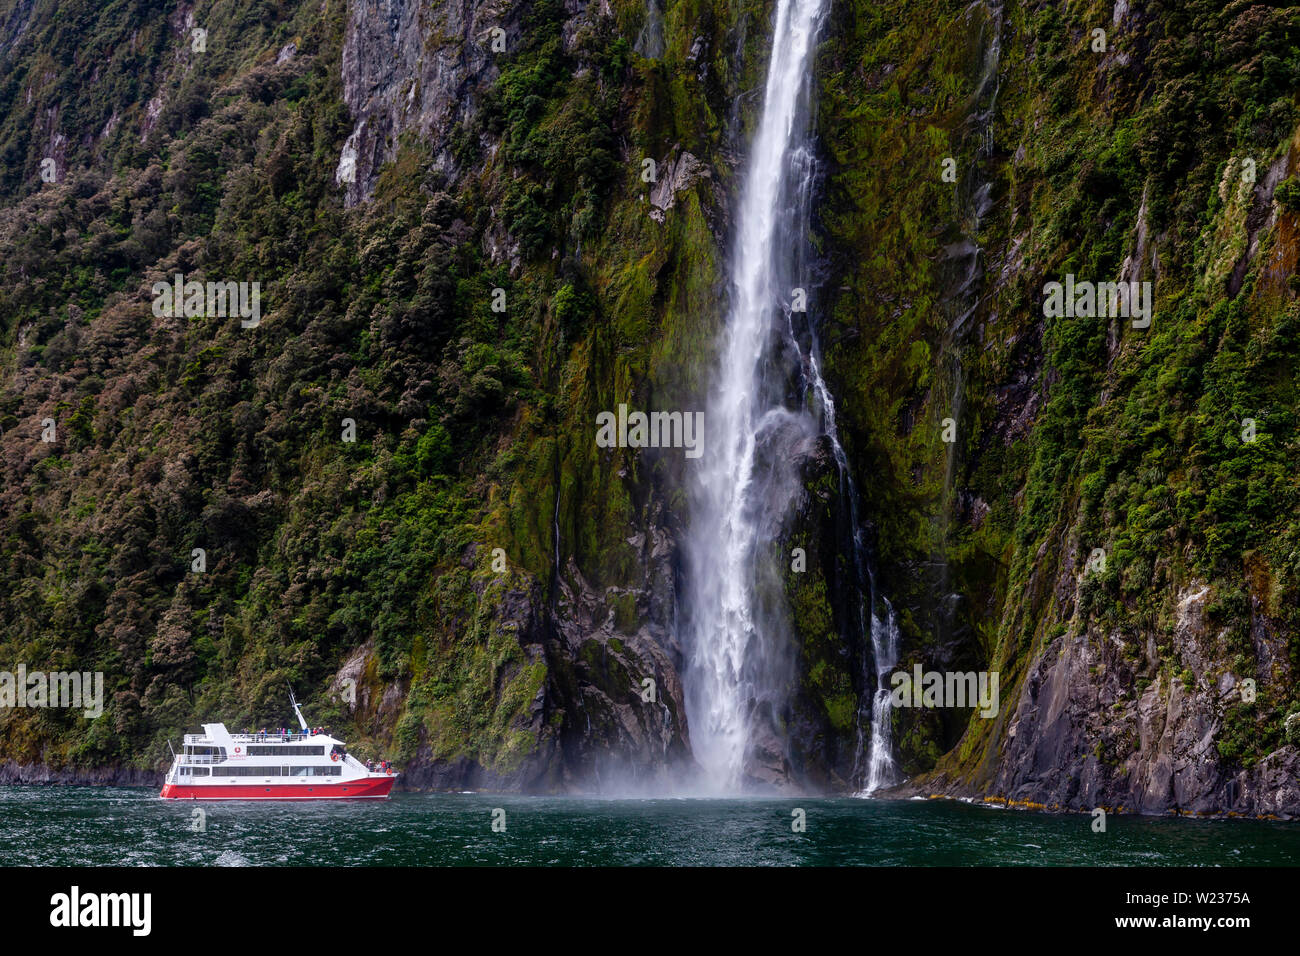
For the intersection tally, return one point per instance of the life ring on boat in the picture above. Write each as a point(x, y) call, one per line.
point(334, 757)
point(236, 750)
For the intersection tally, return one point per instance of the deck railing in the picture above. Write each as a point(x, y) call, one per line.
point(267, 738)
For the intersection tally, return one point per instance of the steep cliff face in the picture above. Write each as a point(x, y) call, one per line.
point(1094, 729)
point(417, 68)
point(463, 253)
point(1111, 527)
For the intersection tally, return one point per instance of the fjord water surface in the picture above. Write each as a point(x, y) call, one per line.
point(93, 826)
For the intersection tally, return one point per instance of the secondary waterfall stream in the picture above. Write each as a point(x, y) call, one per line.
point(767, 401)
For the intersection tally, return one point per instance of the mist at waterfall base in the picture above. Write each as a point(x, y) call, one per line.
point(767, 410)
point(97, 826)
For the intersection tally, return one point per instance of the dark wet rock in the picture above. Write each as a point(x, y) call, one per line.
point(595, 724)
point(824, 720)
point(13, 773)
point(614, 680)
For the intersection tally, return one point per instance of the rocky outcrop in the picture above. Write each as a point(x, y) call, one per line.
point(419, 67)
point(829, 711)
point(13, 773)
point(677, 176)
point(614, 665)
point(608, 716)
point(1097, 725)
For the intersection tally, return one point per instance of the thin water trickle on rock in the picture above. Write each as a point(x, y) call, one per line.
point(882, 771)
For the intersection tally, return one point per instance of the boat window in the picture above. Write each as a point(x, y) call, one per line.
point(333, 770)
point(238, 771)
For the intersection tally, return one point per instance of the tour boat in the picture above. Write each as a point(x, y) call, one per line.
point(219, 765)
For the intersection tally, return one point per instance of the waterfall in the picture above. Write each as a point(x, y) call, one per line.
point(768, 402)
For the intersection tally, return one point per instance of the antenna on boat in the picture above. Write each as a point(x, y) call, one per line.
point(297, 710)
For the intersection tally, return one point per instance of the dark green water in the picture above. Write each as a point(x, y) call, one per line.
point(64, 826)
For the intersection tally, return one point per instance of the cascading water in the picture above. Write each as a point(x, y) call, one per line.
point(873, 764)
point(881, 769)
point(738, 656)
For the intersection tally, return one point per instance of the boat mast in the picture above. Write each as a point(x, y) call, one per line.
point(297, 710)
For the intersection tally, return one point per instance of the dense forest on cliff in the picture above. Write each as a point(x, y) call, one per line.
point(393, 478)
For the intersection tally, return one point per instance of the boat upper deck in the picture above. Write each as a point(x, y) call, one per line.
point(267, 738)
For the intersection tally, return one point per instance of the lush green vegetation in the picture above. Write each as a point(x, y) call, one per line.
point(469, 382)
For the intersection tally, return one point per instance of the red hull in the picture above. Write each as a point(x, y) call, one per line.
point(373, 788)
